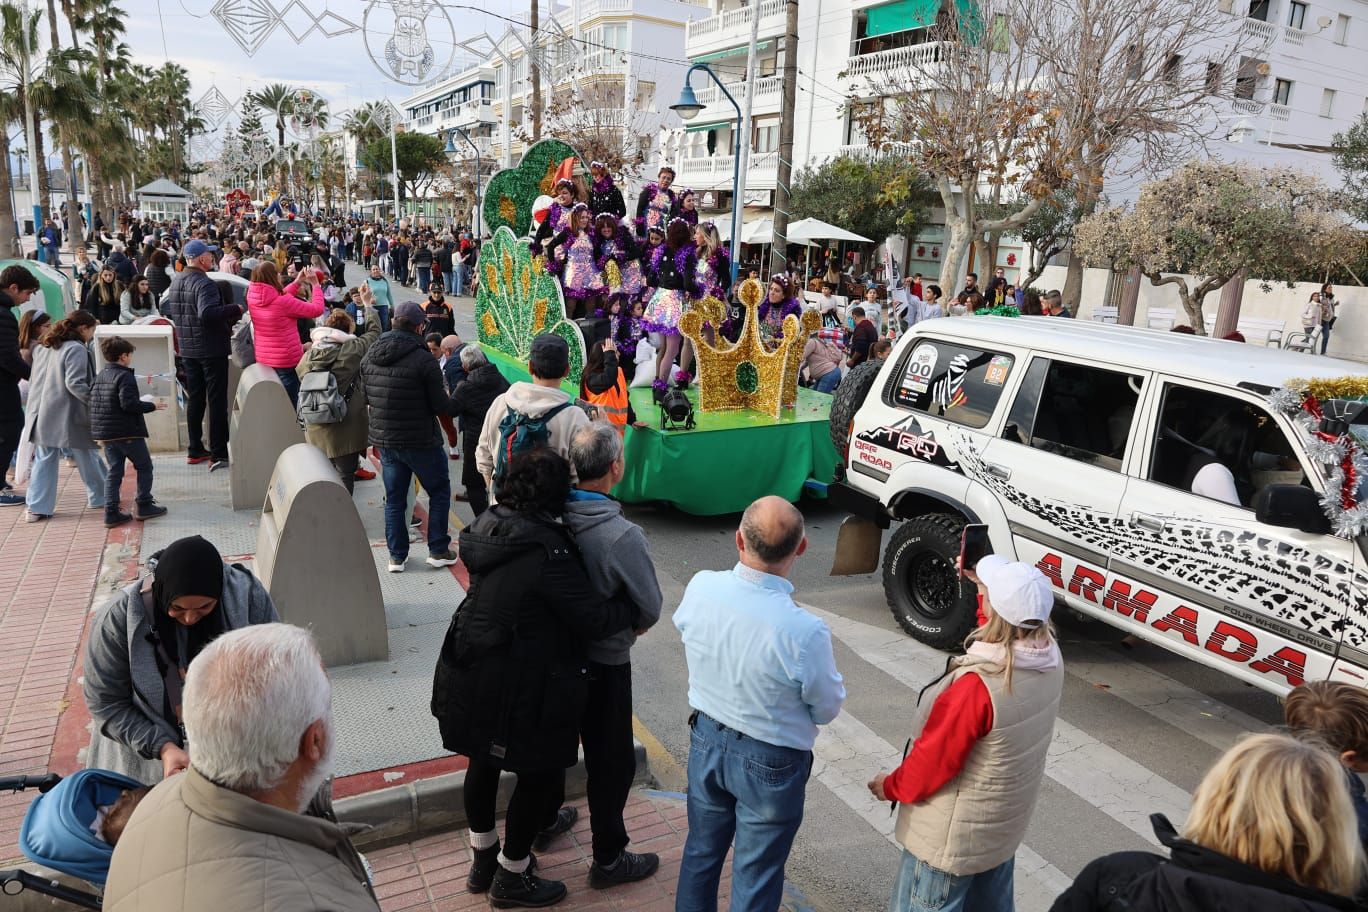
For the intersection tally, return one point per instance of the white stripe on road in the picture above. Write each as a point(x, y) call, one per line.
point(1105, 778)
point(848, 754)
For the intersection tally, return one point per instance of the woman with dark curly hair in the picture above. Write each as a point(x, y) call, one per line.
point(510, 684)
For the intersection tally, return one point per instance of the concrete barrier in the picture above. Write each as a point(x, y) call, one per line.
point(154, 365)
point(314, 558)
point(260, 427)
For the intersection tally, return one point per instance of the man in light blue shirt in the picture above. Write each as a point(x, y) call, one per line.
point(762, 677)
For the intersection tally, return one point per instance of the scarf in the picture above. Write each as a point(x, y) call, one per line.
point(188, 566)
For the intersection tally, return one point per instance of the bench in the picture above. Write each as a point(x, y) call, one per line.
point(1269, 332)
point(1105, 314)
point(1160, 318)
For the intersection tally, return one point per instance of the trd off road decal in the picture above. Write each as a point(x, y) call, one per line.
point(1305, 590)
point(880, 446)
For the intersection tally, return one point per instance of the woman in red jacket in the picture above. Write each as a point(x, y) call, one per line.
point(274, 310)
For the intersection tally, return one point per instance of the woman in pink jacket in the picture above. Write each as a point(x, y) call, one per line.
point(274, 311)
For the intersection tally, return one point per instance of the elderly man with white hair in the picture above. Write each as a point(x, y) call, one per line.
point(229, 834)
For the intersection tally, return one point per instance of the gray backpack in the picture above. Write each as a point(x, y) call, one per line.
point(320, 401)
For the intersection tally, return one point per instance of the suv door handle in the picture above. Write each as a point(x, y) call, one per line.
point(1000, 472)
point(1147, 522)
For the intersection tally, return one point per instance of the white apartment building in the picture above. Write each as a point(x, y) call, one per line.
point(1304, 78)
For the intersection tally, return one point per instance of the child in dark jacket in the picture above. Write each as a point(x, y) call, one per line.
point(116, 420)
point(1337, 714)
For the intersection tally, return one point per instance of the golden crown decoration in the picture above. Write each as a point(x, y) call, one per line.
point(747, 374)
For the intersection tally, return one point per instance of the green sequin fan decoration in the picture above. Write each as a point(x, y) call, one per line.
point(509, 197)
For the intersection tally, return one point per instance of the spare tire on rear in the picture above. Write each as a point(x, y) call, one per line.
point(847, 399)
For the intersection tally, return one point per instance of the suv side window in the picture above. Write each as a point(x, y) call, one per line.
point(1075, 410)
point(1220, 447)
point(956, 382)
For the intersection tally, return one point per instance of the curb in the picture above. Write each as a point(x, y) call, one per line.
point(415, 809)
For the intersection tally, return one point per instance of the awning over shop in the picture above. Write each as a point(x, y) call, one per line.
point(900, 16)
point(710, 125)
point(718, 55)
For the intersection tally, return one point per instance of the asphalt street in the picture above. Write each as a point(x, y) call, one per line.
point(1137, 727)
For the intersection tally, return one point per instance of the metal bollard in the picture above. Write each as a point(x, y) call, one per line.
point(314, 558)
point(260, 427)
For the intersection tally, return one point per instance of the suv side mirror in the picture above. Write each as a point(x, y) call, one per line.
point(1291, 507)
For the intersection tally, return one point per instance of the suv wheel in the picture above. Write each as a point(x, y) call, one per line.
point(921, 583)
point(846, 401)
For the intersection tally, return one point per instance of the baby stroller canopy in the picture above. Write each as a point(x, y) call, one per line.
point(57, 828)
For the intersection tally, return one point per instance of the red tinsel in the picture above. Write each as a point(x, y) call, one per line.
point(1311, 405)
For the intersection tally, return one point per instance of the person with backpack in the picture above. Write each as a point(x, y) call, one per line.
point(332, 400)
point(530, 415)
point(403, 385)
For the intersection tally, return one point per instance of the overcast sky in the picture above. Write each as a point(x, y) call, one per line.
point(339, 67)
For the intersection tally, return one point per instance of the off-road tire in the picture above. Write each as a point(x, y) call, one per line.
point(926, 549)
point(848, 398)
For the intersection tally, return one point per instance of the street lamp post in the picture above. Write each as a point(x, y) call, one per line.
point(688, 107)
point(451, 150)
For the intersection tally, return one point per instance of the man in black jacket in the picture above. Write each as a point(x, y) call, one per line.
point(204, 324)
point(470, 401)
point(404, 387)
point(17, 285)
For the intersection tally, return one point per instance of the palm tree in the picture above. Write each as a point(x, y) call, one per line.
point(275, 98)
point(19, 60)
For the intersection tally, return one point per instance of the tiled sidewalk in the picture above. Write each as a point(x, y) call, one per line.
point(429, 875)
point(48, 571)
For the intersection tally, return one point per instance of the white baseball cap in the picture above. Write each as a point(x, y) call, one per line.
point(1019, 592)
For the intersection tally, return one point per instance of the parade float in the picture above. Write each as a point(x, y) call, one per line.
point(745, 429)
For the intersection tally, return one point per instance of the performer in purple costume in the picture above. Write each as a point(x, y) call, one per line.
point(656, 203)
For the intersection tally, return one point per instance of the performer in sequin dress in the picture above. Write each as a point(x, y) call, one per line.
point(571, 255)
point(657, 203)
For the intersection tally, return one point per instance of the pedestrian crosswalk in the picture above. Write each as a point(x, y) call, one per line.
point(1114, 787)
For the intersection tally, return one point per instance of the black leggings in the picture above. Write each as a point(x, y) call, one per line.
point(532, 807)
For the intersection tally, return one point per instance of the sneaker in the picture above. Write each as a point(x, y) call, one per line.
point(117, 518)
point(524, 890)
point(36, 517)
point(397, 564)
point(484, 863)
point(445, 559)
point(628, 868)
point(454, 454)
point(12, 500)
point(565, 819)
point(218, 464)
point(198, 460)
point(149, 510)
point(364, 474)
point(415, 522)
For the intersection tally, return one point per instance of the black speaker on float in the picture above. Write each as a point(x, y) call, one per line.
point(593, 329)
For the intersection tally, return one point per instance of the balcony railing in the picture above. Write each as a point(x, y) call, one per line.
point(595, 8)
point(1279, 112)
point(768, 90)
point(865, 152)
point(1244, 106)
point(882, 63)
point(715, 171)
point(1294, 36)
point(733, 22)
point(1260, 31)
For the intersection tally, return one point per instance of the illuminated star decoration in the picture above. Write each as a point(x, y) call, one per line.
point(251, 22)
point(214, 106)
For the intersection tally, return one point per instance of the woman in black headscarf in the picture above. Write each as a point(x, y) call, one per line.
point(142, 642)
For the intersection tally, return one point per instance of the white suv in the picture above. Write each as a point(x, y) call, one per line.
point(1080, 445)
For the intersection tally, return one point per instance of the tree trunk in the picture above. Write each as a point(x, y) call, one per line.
point(9, 240)
point(982, 256)
point(1088, 198)
point(40, 153)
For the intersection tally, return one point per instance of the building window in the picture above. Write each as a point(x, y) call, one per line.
point(1213, 78)
point(1296, 15)
point(1341, 29)
point(1282, 91)
point(766, 137)
point(1247, 78)
point(1172, 66)
point(1328, 103)
point(1258, 9)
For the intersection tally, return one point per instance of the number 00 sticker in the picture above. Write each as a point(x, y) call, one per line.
point(917, 377)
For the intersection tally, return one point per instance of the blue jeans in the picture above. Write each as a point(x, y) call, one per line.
point(449, 281)
point(135, 451)
point(1326, 326)
point(828, 382)
point(382, 311)
point(424, 278)
point(397, 468)
point(922, 888)
point(41, 495)
point(748, 789)
point(290, 380)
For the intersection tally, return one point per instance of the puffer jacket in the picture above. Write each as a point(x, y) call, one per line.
point(196, 845)
point(13, 367)
point(470, 401)
point(341, 353)
point(203, 322)
point(116, 409)
point(123, 686)
point(513, 671)
point(1193, 879)
point(404, 387)
point(158, 280)
point(124, 268)
point(275, 332)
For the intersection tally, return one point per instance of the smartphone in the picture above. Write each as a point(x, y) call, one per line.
point(973, 546)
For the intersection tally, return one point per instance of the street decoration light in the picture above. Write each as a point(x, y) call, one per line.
point(687, 108)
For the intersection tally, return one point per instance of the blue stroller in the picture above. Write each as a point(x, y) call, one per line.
point(57, 833)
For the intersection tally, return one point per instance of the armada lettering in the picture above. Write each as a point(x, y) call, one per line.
point(1087, 582)
point(1120, 600)
point(1288, 662)
point(1182, 620)
point(1225, 631)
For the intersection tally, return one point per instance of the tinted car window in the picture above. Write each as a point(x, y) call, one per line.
point(1075, 410)
point(956, 382)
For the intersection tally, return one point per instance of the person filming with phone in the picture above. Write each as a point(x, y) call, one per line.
point(966, 789)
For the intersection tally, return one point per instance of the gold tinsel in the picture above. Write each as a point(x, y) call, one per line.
point(539, 315)
point(612, 275)
point(491, 277)
point(1333, 387)
point(508, 270)
point(525, 280)
point(488, 324)
point(508, 209)
point(720, 366)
